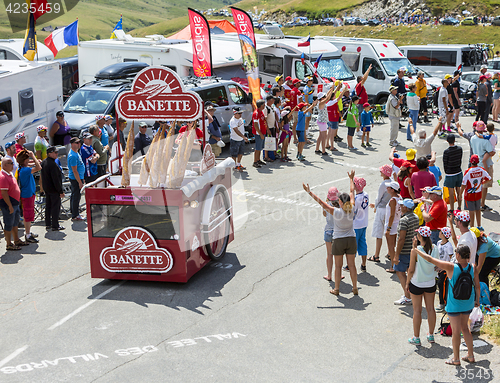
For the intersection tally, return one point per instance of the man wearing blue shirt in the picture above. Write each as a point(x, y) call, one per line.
point(76, 174)
point(308, 98)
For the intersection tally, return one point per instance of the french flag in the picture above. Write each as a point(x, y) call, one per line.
point(305, 42)
point(62, 38)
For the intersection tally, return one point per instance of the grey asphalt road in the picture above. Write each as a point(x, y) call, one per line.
point(261, 314)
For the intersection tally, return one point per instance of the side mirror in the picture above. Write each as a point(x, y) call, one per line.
point(249, 97)
point(380, 75)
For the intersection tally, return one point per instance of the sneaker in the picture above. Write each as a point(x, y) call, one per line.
point(363, 268)
point(430, 338)
point(31, 239)
point(363, 145)
point(257, 165)
point(440, 308)
point(57, 228)
point(394, 143)
point(317, 151)
point(34, 235)
point(301, 158)
point(403, 301)
point(415, 341)
point(78, 218)
point(359, 133)
point(368, 144)
point(353, 148)
point(261, 162)
point(345, 268)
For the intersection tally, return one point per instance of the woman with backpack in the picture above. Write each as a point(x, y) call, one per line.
point(488, 254)
point(344, 237)
point(463, 295)
point(421, 282)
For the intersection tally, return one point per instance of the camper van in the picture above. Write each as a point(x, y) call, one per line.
point(383, 55)
point(31, 95)
point(440, 59)
point(12, 49)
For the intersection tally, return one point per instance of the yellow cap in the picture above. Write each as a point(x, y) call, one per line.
point(410, 154)
point(279, 77)
point(446, 77)
point(476, 231)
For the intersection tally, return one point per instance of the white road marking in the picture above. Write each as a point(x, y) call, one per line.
point(81, 308)
point(12, 356)
point(317, 186)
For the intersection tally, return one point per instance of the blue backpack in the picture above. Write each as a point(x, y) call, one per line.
point(485, 294)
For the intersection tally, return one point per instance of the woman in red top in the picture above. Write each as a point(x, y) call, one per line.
point(404, 179)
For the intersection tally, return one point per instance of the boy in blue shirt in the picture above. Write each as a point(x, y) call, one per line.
point(303, 109)
point(76, 173)
point(89, 158)
point(366, 124)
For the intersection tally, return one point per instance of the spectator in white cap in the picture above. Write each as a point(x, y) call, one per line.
point(100, 121)
point(406, 231)
point(393, 110)
point(421, 283)
point(108, 119)
point(392, 217)
point(237, 139)
point(41, 142)
point(467, 236)
point(20, 141)
point(322, 120)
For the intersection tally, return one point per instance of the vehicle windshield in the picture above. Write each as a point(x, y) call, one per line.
point(393, 64)
point(494, 64)
point(90, 101)
point(335, 67)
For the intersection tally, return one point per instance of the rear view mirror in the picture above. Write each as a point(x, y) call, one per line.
point(249, 97)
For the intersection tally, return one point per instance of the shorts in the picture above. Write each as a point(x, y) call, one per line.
point(284, 135)
point(333, 125)
point(472, 205)
point(301, 135)
point(11, 220)
point(453, 181)
point(322, 126)
point(496, 95)
point(458, 314)
point(343, 246)
point(443, 112)
point(350, 131)
point(259, 142)
point(420, 290)
point(423, 104)
point(216, 149)
point(404, 263)
point(236, 148)
point(361, 241)
point(328, 236)
point(29, 208)
point(489, 183)
point(366, 128)
point(456, 106)
point(379, 223)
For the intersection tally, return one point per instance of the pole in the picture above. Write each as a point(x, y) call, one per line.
point(119, 147)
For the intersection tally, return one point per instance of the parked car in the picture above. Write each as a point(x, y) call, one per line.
point(471, 76)
point(373, 22)
point(314, 22)
point(360, 21)
point(349, 20)
point(496, 21)
point(494, 64)
point(450, 21)
point(273, 23)
point(290, 24)
point(469, 21)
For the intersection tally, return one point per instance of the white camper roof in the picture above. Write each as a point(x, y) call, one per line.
point(15, 46)
point(9, 67)
point(317, 47)
point(383, 48)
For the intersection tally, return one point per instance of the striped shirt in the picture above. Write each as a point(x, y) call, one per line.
point(409, 222)
point(452, 160)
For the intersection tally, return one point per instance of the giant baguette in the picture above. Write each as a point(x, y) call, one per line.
point(146, 164)
point(167, 155)
point(179, 163)
point(127, 157)
point(157, 159)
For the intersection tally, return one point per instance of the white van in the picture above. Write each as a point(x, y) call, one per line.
point(12, 49)
point(440, 59)
point(31, 96)
point(383, 55)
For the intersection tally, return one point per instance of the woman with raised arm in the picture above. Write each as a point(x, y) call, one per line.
point(458, 309)
point(344, 237)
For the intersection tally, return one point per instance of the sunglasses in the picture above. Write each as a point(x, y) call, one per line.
point(9, 163)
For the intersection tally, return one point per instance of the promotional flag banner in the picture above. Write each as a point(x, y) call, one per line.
point(118, 27)
point(202, 50)
point(39, 7)
point(316, 63)
point(29, 47)
point(62, 37)
point(305, 42)
point(244, 26)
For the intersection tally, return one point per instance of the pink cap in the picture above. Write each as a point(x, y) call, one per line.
point(333, 194)
point(359, 183)
point(386, 170)
point(481, 126)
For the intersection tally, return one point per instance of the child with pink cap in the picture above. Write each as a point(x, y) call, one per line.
point(361, 203)
point(445, 250)
point(379, 209)
point(332, 200)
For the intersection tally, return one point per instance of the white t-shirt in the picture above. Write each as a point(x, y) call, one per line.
point(236, 123)
point(14, 161)
point(361, 203)
point(442, 93)
point(445, 251)
point(270, 116)
point(423, 145)
point(470, 240)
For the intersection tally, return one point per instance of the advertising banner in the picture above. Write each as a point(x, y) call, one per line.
point(244, 26)
point(202, 51)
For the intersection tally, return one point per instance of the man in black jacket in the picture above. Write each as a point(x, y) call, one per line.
point(452, 161)
point(52, 184)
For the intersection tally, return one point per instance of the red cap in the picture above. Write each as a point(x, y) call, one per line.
point(366, 105)
point(295, 81)
point(483, 77)
point(407, 164)
point(474, 159)
point(301, 105)
point(288, 78)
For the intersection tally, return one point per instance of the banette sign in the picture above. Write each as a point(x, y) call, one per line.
point(158, 94)
point(135, 250)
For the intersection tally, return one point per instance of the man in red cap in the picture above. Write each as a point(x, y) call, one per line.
point(472, 187)
point(295, 96)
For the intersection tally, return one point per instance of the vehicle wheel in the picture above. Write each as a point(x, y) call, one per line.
point(382, 100)
point(217, 239)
